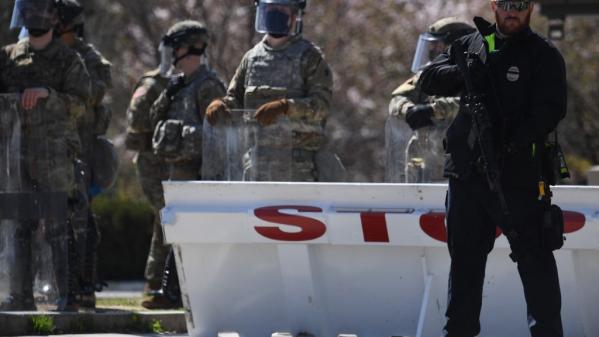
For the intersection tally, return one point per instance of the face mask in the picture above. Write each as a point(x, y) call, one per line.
point(37, 32)
point(277, 22)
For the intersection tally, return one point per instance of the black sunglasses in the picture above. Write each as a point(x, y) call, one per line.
point(511, 5)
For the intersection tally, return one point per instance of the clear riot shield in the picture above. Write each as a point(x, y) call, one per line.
point(35, 176)
point(414, 157)
point(223, 149)
point(269, 150)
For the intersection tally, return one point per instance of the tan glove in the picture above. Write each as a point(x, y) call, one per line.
point(217, 111)
point(267, 114)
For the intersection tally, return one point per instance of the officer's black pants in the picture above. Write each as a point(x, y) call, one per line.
point(471, 236)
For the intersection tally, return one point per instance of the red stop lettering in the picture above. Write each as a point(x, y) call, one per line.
point(374, 227)
point(311, 229)
point(573, 221)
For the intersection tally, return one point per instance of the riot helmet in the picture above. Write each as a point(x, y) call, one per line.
point(439, 36)
point(38, 16)
point(183, 34)
point(70, 17)
point(274, 17)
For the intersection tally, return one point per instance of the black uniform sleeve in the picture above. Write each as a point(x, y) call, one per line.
point(442, 77)
point(549, 94)
point(549, 98)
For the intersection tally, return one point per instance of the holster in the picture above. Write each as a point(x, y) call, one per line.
point(552, 231)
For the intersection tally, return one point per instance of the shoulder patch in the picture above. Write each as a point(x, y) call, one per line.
point(140, 92)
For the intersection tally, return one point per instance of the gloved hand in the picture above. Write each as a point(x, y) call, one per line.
point(217, 110)
point(419, 116)
point(268, 113)
point(175, 84)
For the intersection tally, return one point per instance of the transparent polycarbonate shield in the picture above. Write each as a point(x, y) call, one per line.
point(10, 144)
point(33, 14)
point(414, 157)
point(397, 136)
point(428, 47)
point(269, 153)
point(35, 178)
point(223, 148)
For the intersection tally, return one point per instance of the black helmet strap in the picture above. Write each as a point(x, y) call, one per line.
point(191, 50)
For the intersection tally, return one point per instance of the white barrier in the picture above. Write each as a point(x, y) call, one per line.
point(363, 259)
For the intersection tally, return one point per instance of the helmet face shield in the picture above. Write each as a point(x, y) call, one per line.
point(33, 14)
point(166, 59)
point(274, 18)
point(23, 34)
point(428, 48)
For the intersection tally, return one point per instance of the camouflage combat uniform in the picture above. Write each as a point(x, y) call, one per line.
point(183, 151)
point(445, 109)
point(298, 72)
point(151, 169)
point(97, 121)
point(50, 143)
point(408, 95)
point(93, 124)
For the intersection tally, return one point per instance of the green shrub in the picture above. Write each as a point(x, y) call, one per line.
point(43, 325)
point(126, 229)
point(157, 327)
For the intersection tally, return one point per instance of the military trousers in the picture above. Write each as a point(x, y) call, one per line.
point(471, 229)
point(177, 171)
point(297, 165)
point(185, 170)
point(151, 172)
point(51, 172)
point(303, 165)
point(22, 272)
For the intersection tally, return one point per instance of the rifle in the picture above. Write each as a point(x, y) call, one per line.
point(481, 136)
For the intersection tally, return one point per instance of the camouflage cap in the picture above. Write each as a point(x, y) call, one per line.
point(186, 33)
point(450, 28)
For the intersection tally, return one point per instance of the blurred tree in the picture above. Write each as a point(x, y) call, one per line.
point(369, 46)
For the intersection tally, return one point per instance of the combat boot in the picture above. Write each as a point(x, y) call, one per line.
point(169, 296)
point(15, 303)
point(161, 301)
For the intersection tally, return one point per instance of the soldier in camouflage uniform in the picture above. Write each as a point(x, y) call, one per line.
point(51, 77)
point(93, 125)
point(283, 75)
point(179, 111)
point(151, 169)
point(417, 109)
point(178, 114)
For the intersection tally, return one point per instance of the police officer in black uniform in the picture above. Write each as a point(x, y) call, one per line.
point(520, 79)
